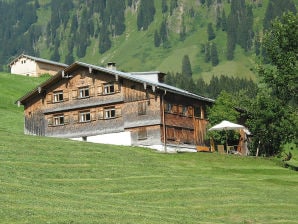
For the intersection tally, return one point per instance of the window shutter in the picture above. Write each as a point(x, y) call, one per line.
point(118, 112)
point(65, 96)
point(117, 87)
point(66, 119)
point(75, 117)
point(93, 115)
point(50, 98)
point(100, 114)
point(74, 94)
point(190, 111)
point(91, 88)
point(50, 121)
point(99, 90)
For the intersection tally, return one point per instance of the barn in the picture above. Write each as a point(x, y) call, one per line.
point(33, 66)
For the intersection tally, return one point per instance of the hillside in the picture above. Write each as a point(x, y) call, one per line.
point(48, 180)
point(109, 31)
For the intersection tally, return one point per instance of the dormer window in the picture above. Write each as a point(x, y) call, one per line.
point(84, 92)
point(58, 96)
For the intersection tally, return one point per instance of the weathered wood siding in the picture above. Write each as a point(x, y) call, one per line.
point(92, 103)
point(44, 68)
point(185, 120)
point(146, 136)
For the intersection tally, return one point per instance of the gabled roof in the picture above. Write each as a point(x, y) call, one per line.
point(157, 85)
point(37, 60)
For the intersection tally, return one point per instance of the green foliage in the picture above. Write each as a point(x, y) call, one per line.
point(223, 109)
point(271, 122)
point(210, 32)
point(275, 9)
point(239, 27)
point(146, 14)
point(216, 85)
point(281, 45)
point(186, 66)
point(273, 115)
point(121, 41)
point(214, 55)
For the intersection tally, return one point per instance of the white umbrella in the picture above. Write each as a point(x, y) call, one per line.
point(224, 126)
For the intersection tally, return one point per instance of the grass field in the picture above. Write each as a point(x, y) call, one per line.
point(47, 180)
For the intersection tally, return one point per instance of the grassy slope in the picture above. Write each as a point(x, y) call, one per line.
point(46, 180)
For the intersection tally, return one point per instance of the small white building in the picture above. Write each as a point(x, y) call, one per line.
point(32, 66)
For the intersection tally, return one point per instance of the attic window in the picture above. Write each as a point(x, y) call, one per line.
point(109, 88)
point(84, 92)
point(58, 96)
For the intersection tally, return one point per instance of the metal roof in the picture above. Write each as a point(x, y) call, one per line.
point(126, 75)
point(38, 60)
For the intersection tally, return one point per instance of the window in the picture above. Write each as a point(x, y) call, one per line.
point(168, 107)
point(184, 110)
point(84, 92)
point(142, 108)
point(59, 120)
point(84, 116)
point(109, 88)
point(198, 112)
point(58, 96)
point(110, 113)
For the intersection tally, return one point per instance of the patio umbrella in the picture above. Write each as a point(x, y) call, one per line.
point(224, 126)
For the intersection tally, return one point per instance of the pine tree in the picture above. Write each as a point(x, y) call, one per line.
point(214, 55)
point(223, 21)
point(164, 6)
point(231, 44)
point(210, 32)
point(186, 66)
point(69, 59)
point(207, 52)
point(146, 14)
point(163, 32)
point(156, 39)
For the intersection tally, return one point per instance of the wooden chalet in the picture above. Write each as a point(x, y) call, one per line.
point(33, 66)
point(96, 104)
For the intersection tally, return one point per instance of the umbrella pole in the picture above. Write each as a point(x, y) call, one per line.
point(227, 142)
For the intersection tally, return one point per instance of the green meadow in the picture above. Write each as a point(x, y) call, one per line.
point(49, 180)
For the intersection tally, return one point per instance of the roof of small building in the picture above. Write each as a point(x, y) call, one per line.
point(37, 60)
point(157, 85)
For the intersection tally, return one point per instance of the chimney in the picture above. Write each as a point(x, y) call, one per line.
point(111, 65)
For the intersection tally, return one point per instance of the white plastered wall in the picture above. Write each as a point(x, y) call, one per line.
point(24, 66)
point(120, 138)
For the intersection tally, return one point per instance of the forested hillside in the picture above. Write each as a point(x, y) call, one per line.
point(214, 37)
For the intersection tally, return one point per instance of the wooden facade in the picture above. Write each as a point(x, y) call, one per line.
point(85, 102)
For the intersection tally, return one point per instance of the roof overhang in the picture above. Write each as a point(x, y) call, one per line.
point(76, 65)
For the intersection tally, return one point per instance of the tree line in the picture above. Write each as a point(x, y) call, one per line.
point(271, 115)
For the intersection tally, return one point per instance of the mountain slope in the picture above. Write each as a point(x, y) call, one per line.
point(78, 30)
